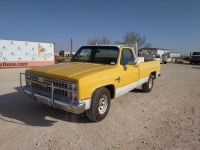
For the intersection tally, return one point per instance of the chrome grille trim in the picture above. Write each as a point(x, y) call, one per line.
point(51, 87)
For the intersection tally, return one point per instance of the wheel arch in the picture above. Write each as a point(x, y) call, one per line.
point(99, 106)
point(111, 89)
point(154, 74)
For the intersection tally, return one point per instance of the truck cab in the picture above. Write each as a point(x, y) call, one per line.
point(194, 57)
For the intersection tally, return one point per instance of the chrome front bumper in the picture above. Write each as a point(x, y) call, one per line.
point(73, 106)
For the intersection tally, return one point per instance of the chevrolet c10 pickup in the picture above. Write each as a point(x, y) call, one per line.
point(94, 76)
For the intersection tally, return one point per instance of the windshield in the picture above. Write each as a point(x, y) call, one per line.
point(97, 54)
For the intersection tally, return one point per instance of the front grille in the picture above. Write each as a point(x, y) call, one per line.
point(62, 89)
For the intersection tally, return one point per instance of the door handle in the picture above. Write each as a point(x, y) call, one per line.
point(118, 79)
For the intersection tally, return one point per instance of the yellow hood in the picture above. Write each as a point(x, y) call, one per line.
point(69, 71)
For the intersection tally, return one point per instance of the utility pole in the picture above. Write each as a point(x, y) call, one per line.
point(71, 47)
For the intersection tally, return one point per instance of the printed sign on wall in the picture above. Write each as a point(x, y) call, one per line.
point(24, 53)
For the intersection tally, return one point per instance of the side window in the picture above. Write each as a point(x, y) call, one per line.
point(127, 55)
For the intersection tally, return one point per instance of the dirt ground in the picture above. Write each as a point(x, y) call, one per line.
point(167, 118)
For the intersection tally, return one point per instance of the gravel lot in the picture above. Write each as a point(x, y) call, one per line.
point(166, 118)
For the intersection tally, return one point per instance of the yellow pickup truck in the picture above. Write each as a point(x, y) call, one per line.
point(94, 76)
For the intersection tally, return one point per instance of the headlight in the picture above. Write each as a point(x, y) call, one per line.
point(74, 86)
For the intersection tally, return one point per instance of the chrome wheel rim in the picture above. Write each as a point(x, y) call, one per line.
point(103, 104)
point(150, 82)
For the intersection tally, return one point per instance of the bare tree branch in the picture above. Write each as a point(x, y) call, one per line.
point(132, 38)
point(129, 38)
point(103, 40)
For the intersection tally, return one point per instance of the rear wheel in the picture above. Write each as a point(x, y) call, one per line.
point(148, 86)
point(100, 105)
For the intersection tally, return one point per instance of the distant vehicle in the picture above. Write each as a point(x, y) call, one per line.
point(157, 57)
point(194, 57)
point(180, 61)
point(164, 59)
point(168, 57)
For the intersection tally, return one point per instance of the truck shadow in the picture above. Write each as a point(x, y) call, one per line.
point(137, 91)
point(188, 64)
point(18, 108)
point(196, 67)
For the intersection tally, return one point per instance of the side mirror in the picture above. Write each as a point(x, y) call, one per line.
point(132, 62)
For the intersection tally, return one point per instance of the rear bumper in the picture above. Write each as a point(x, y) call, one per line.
point(74, 107)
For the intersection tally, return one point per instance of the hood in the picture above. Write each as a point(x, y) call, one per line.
point(69, 71)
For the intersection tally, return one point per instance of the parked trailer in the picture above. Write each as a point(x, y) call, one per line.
point(15, 54)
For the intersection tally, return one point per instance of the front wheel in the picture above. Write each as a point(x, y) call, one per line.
point(100, 105)
point(148, 86)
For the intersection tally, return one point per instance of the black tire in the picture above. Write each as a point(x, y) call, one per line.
point(100, 105)
point(148, 86)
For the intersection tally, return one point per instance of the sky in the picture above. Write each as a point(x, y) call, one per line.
point(168, 24)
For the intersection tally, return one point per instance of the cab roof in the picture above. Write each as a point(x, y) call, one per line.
point(112, 45)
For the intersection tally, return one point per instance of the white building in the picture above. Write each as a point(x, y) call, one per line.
point(175, 55)
point(67, 53)
point(155, 51)
point(15, 54)
point(160, 52)
point(56, 54)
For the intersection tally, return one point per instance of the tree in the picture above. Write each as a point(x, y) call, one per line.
point(132, 38)
point(129, 38)
point(103, 40)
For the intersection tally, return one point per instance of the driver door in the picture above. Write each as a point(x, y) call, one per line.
point(129, 74)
